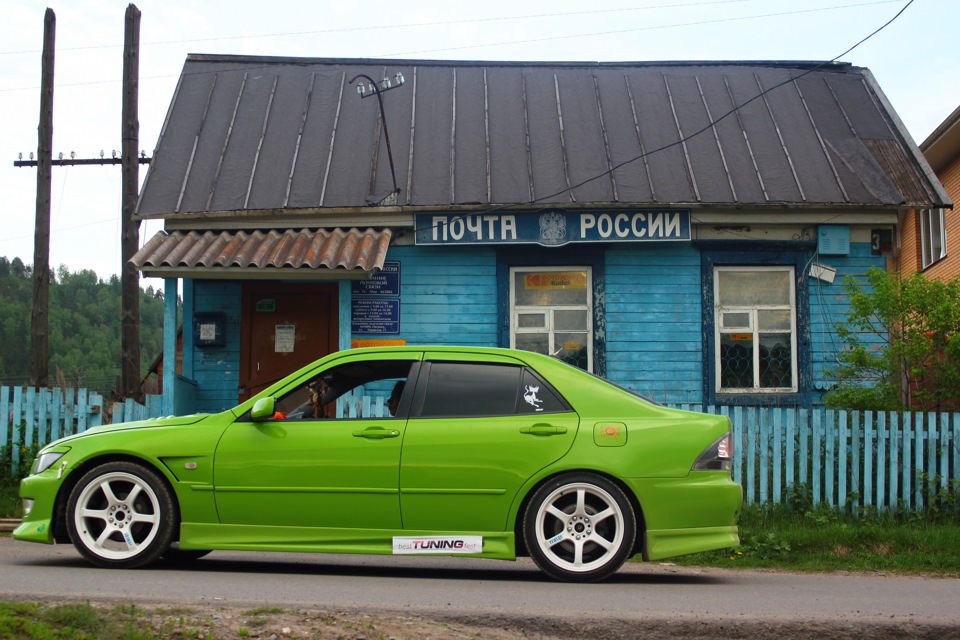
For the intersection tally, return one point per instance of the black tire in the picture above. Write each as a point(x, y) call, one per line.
point(121, 515)
point(175, 554)
point(579, 527)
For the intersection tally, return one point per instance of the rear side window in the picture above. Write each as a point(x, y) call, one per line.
point(486, 389)
point(538, 397)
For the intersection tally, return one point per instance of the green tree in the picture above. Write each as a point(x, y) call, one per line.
point(84, 331)
point(901, 343)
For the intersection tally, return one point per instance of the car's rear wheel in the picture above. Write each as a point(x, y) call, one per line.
point(121, 515)
point(579, 527)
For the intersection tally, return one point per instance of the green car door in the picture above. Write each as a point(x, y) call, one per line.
point(329, 458)
point(477, 432)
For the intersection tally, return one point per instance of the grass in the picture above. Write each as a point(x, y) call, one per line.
point(824, 539)
point(10, 505)
point(29, 620)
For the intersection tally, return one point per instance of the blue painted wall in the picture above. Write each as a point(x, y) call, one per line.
point(448, 295)
point(653, 328)
point(829, 303)
point(216, 369)
point(651, 336)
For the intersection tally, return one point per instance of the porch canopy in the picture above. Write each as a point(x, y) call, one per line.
point(314, 254)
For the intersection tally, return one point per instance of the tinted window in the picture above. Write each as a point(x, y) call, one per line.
point(471, 389)
point(480, 389)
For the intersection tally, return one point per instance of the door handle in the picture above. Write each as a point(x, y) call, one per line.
point(376, 433)
point(543, 430)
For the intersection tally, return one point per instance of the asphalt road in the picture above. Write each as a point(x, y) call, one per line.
point(690, 602)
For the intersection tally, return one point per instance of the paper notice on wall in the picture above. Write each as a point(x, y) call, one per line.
point(208, 332)
point(284, 338)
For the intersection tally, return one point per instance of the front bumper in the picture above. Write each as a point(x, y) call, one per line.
point(37, 526)
point(38, 531)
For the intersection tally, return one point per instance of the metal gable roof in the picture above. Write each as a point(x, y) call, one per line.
point(291, 134)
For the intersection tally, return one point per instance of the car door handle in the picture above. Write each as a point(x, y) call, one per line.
point(376, 433)
point(543, 430)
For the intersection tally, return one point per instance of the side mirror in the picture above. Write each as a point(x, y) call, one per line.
point(263, 409)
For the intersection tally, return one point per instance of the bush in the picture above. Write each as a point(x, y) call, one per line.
point(901, 341)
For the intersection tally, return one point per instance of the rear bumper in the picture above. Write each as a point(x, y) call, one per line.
point(688, 515)
point(666, 543)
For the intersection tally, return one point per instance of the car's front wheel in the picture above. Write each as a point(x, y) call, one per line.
point(176, 554)
point(579, 527)
point(121, 515)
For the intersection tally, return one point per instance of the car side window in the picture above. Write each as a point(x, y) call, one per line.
point(539, 397)
point(362, 389)
point(474, 389)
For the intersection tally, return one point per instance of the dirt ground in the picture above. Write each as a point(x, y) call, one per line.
point(222, 623)
point(270, 624)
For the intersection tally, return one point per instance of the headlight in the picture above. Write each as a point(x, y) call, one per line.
point(46, 460)
point(716, 457)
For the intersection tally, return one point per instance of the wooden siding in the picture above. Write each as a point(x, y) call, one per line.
point(447, 296)
point(948, 267)
point(829, 303)
point(217, 369)
point(653, 334)
point(653, 328)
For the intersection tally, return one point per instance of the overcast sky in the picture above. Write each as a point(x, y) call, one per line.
point(914, 60)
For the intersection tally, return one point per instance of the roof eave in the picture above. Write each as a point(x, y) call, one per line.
point(253, 273)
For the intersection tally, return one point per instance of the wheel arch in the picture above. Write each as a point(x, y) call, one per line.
point(641, 525)
point(60, 534)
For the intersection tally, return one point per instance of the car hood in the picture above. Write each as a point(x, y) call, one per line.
point(152, 423)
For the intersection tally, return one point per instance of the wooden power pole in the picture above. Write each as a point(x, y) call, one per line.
point(40, 315)
point(129, 229)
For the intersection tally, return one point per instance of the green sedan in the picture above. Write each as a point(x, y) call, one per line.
point(463, 451)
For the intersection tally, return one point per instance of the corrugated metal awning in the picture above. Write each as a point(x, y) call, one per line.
point(309, 254)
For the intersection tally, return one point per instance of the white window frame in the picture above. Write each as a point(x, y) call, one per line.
point(753, 328)
point(933, 237)
point(547, 311)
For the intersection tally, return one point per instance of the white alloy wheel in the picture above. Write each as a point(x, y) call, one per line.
point(579, 528)
point(119, 515)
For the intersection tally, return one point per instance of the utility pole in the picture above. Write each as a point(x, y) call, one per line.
point(129, 229)
point(40, 315)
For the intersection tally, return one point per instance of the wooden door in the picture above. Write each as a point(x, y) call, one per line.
point(284, 327)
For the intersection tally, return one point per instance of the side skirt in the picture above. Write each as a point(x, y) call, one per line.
point(238, 537)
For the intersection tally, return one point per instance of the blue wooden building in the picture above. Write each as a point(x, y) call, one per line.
point(683, 228)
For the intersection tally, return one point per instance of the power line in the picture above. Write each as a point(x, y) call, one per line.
point(507, 43)
point(732, 111)
point(366, 28)
point(684, 139)
point(638, 29)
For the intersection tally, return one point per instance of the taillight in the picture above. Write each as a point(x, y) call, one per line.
point(717, 457)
